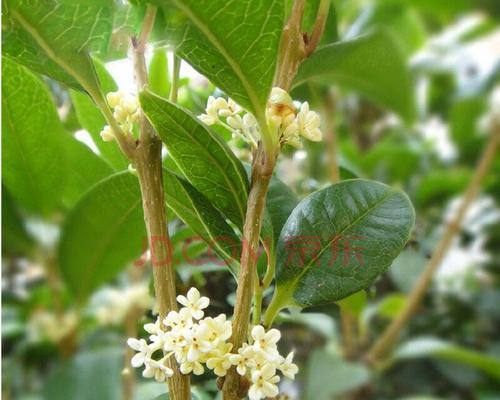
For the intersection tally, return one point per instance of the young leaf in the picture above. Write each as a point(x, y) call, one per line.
point(158, 73)
point(92, 120)
point(33, 162)
point(204, 159)
point(54, 38)
point(373, 65)
point(83, 166)
point(338, 240)
point(206, 221)
point(102, 233)
point(234, 44)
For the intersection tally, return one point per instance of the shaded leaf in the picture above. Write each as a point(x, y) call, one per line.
point(84, 167)
point(202, 157)
point(33, 156)
point(338, 240)
point(158, 73)
point(205, 220)
point(371, 64)
point(102, 234)
point(90, 375)
point(15, 238)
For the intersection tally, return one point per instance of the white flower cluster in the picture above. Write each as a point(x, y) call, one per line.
point(115, 304)
point(47, 325)
point(285, 121)
point(196, 342)
point(125, 111)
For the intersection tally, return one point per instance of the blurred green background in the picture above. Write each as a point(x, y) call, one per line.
point(55, 346)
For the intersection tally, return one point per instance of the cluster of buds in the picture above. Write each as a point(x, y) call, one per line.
point(285, 121)
point(125, 111)
point(116, 304)
point(196, 342)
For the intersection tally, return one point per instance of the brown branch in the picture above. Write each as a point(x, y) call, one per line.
point(149, 168)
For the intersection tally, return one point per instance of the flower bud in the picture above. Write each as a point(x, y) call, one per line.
point(107, 134)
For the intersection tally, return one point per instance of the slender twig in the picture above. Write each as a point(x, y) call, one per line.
point(319, 27)
point(386, 341)
point(149, 168)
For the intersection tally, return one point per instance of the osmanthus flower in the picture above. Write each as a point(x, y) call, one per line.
point(196, 342)
point(194, 303)
point(285, 123)
point(125, 110)
point(264, 383)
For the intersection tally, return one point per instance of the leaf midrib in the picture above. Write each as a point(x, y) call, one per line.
point(234, 65)
point(331, 242)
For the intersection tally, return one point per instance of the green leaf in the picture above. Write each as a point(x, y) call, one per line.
point(33, 158)
point(202, 157)
point(234, 44)
point(92, 120)
point(158, 73)
point(15, 238)
point(82, 377)
point(102, 234)
point(205, 220)
point(329, 375)
point(280, 202)
point(338, 240)
point(433, 347)
point(54, 38)
point(372, 64)
point(354, 303)
point(84, 167)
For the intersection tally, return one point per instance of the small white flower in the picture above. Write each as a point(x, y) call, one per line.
point(220, 361)
point(107, 134)
point(194, 303)
point(309, 122)
point(264, 383)
point(287, 367)
point(143, 351)
point(114, 98)
point(280, 96)
point(182, 319)
point(242, 360)
point(157, 369)
point(266, 341)
point(191, 366)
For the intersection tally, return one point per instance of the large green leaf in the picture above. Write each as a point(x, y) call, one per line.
point(205, 220)
point(373, 65)
point(89, 375)
point(338, 240)
point(234, 44)
point(84, 168)
point(54, 37)
point(33, 158)
point(102, 233)
point(433, 347)
point(92, 120)
point(202, 157)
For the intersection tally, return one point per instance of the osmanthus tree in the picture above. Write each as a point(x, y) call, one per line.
point(256, 52)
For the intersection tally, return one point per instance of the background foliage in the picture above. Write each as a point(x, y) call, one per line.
point(402, 87)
